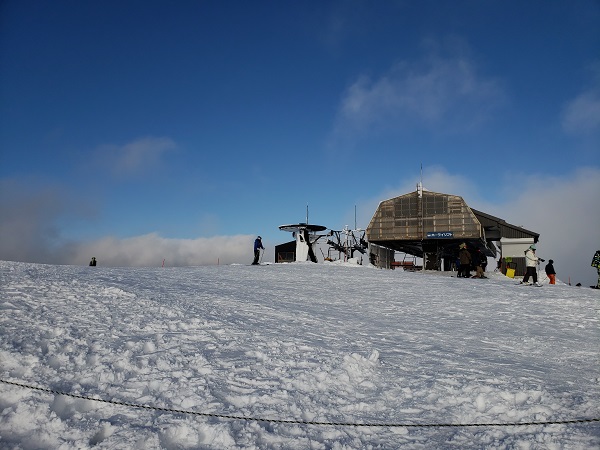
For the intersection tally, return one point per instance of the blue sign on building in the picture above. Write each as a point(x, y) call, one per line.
point(440, 235)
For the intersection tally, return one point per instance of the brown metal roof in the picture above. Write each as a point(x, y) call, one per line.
point(437, 222)
point(506, 229)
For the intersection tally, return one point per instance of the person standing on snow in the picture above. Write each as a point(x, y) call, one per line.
point(551, 272)
point(481, 264)
point(257, 246)
point(93, 261)
point(464, 256)
point(531, 261)
point(596, 264)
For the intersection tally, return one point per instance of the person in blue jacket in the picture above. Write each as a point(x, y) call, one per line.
point(257, 246)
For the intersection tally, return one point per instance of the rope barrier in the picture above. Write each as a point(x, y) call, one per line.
point(301, 422)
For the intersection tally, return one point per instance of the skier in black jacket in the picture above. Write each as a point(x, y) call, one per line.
point(550, 272)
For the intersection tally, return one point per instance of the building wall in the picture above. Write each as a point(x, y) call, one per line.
point(381, 257)
point(514, 247)
point(285, 252)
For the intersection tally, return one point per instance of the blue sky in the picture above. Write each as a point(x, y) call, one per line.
point(174, 123)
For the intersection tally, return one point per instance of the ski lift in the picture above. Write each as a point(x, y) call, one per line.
point(306, 236)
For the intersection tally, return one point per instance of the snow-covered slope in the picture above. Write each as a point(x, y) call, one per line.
point(236, 350)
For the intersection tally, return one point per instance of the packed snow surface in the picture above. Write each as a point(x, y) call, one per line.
point(293, 356)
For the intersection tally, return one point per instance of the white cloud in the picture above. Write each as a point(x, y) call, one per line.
point(30, 228)
point(136, 156)
point(152, 249)
point(582, 115)
point(28, 218)
point(437, 92)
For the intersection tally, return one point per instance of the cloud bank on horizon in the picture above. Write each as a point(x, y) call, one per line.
point(564, 210)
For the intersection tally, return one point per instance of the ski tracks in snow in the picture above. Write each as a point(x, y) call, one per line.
point(299, 342)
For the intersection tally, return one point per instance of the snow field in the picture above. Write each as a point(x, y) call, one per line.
point(300, 342)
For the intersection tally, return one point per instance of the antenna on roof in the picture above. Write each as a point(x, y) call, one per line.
point(307, 213)
point(420, 183)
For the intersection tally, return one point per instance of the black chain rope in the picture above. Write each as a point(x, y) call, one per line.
point(303, 422)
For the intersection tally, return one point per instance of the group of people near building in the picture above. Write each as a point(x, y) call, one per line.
point(532, 261)
point(466, 261)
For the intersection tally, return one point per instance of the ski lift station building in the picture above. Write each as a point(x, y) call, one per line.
point(432, 225)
